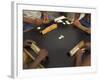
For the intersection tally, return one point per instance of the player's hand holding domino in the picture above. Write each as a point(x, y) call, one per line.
point(42, 54)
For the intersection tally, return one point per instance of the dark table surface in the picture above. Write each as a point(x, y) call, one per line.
point(58, 49)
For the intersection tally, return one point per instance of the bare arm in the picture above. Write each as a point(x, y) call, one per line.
point(87, 61)
point(78, 57)
point(80, 26)
point(42, 55)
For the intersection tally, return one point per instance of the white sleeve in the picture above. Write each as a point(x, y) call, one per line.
point(32, 14)
point(81, 16)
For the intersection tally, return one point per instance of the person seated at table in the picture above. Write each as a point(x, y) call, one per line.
point(31, 19)
point(83, 57)
point(83, 23)
point(41, 56)
point(39, 17)
point(36, 18)
point(49, 16)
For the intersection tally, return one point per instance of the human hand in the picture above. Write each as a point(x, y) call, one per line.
point(77, 23)
point(88, 30)
point(28, 43)
point(45, 18)
point(37, 22)
point(42, 54)
point(79, 53)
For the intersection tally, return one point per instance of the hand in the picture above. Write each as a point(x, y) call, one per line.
point(42, 54)
point(87, 45)
point(79, 53)
point(28, 43)
point(37, 22)
point(77, 23)
point(45, 18)
point(88, 30)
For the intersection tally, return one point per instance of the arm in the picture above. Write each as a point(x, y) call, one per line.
point(35, 21)
point(87, 30)
point(78, 57)
point(84, 28)
point(45, 17)
point(86, 61)
point(41, 56)
point(28, 20)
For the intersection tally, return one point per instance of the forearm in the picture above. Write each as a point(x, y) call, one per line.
point(78, 61)
point(35, 63)
point(78, 57)
point(28, 20)
point(88, 30)
point(86, 61)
